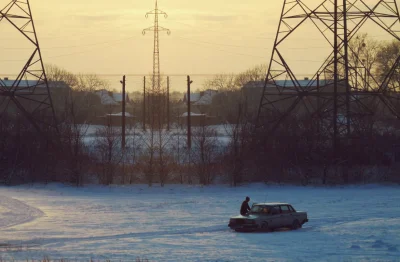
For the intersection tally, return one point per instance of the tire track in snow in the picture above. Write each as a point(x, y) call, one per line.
point(14, 212)
point(188, 231)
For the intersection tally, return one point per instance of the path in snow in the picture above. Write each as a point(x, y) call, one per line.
point(14, 212)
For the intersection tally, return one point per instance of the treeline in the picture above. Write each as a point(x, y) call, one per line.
point(299, 151)
point(234, 154)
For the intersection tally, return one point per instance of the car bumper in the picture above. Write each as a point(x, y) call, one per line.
point(243, 228)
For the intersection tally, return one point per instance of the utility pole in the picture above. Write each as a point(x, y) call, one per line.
point(189, 130)
point(144, 103)
point(123, 112)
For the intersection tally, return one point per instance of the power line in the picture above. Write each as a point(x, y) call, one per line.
point(73, 46)
point(73, 35)
point(75, 53)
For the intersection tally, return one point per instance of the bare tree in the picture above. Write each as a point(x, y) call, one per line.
point(205, 151)
point(58, 74)
point(240, 138)
point(180, 152)
point(148, 158)
point(257, 73)
point(133, 151)
point(165, 161)
point(73, 144)
point(222, 83)
point(108, 152)
point(363, 59)
point(386, 57)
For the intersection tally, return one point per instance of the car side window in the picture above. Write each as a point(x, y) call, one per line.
point(291, 209)
point(285, 209)
point(265, 210)
point(275, 211)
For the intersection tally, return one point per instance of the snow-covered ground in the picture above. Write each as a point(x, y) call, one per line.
point(189, 223)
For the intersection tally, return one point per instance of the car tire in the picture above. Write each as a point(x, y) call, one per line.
point(296, 225)
point(264, 226)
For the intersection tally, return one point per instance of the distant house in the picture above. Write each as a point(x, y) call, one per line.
point(111, 98)
point(106, 97)
point(118, 98)
point(116, 119)
point(201, 101)
point(197, 119)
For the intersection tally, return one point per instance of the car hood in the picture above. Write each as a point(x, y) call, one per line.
point(244, 217)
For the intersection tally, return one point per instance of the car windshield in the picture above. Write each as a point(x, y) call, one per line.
point(260, 209)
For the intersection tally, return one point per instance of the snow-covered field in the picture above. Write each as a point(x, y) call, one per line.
point(189, 223)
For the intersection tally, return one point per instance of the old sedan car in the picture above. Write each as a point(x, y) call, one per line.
point(267, 217)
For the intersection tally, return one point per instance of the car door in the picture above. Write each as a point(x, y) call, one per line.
point(274, 219)
point(264, 215)
point(286, 216)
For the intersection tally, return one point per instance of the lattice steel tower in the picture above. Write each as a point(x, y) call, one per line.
point(156, 103)
point(340, 95)
point(29, 93)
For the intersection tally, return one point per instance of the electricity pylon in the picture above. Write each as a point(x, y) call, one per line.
point(331, 97)
point(157, 94)
point(29, 93)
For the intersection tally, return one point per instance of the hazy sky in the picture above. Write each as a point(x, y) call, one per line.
point(207, 37)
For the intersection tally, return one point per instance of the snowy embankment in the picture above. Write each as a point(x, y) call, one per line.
point(189, 223)
point(14, 212)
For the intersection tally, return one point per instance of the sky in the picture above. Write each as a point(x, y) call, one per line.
point(207, 37)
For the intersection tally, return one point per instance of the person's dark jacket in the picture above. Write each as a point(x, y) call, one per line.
point(244, 208)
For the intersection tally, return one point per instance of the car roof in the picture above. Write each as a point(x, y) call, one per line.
point(270, 204)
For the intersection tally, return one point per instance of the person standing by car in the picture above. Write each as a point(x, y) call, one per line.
point(245, 207)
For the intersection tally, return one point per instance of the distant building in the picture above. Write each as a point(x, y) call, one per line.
point(118, 98)
point(201, 101)
point(113, 101)
point(253, 91)
point(116, 119)
point(197, 119)
point(59, 91)
point(201, 98)
point(106, 97)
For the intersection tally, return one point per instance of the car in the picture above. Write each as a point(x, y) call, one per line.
point(268, 217)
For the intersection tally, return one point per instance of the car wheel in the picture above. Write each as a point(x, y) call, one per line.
point(296, 224)
point(264, 226)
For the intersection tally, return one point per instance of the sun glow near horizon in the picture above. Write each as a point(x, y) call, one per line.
point(208, 37)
